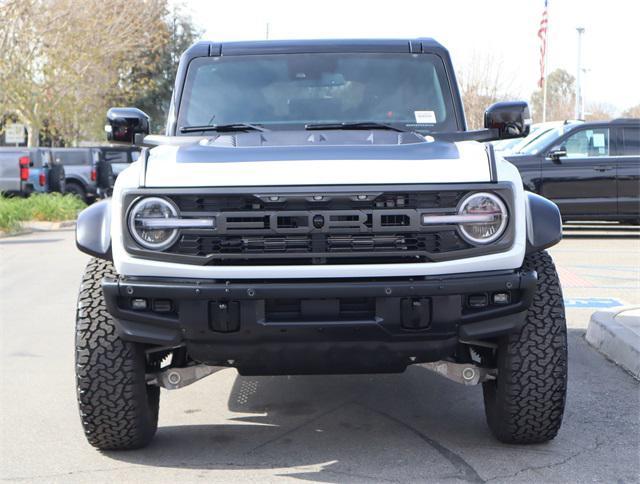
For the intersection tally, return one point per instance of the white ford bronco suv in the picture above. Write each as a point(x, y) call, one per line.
point(319, 207)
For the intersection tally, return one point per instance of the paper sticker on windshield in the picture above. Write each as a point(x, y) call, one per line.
point(428, 117)
point(598, 140)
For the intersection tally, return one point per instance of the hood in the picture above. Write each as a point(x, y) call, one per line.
point(314, 158)
point(515, 157)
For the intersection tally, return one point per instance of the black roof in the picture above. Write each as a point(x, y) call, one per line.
point(209, 48)
point(635, 122)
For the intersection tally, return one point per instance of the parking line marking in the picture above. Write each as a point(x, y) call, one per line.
point(592, 302)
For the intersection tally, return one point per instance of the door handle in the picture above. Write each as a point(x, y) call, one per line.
point(603, 168)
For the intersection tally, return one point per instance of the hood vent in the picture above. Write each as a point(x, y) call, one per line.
point(317, 138)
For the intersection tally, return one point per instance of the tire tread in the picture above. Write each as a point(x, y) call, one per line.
point(117, 408)
point(526, 404)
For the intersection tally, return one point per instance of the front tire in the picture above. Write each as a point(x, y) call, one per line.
point(118, 409)
point(526, 403)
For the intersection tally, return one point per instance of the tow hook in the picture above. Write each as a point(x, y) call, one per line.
point(467, 374)
point(174, 378)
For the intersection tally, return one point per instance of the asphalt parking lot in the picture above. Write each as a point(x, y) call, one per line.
point(410, 427)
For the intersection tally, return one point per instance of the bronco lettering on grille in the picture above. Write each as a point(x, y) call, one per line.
point(302, 222)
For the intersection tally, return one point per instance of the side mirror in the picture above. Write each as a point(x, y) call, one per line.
point(508, 119)
point(557, 153)
point(126, 125)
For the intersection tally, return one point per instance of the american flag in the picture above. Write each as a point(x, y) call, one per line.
point(542, 35)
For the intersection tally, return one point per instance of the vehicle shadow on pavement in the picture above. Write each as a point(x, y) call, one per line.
point(412, 426)
point(600, 236)
point(602, 231)
point(32, 241)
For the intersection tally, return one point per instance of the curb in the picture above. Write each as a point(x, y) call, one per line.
point(38, 226)
point(616, 334)
point(31, 226)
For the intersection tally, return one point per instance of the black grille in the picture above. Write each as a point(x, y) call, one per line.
point(323, 228)
point(332, 201)
point(319, 248)
point(380, 224)
point(203, 245)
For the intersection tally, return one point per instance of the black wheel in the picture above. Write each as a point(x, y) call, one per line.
point(75, 188)
point(118, 409)
point(526, 403)
point(56, 178)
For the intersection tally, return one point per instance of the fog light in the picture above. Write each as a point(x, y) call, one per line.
point(478, 301)
point(162, 305)
point(501, 298)
point(139, 304)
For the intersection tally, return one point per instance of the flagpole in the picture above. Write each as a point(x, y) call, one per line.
point(544, 91)
point(544, 78)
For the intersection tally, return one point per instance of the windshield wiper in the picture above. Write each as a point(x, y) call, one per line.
point(223, 127)
point(359, 125)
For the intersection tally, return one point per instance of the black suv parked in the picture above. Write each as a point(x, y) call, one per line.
point(590, 170)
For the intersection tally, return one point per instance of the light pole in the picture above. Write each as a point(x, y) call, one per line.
point(579, 98)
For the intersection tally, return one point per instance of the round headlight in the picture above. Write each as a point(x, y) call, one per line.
point(487, 218)
point(144, 231)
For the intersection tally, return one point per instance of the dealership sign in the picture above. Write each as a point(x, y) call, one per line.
point(14, 133)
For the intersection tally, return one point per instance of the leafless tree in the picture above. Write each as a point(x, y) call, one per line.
point(599, 112)
point(482, 83)
point(62, 60)
point(632, 112)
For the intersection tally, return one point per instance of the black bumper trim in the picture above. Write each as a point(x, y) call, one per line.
point(190, 321)
point(211, 289)
point(491, 329)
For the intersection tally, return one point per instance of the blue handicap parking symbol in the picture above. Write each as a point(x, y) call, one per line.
point(592, 302)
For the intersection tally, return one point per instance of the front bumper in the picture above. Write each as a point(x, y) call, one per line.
point(300, 326)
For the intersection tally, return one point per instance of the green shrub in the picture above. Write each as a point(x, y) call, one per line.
point(52, 207)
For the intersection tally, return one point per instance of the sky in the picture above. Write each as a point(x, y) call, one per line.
point(504, 30)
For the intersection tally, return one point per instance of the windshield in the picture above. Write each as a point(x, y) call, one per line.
point(506, 144)
point(516, 145)
point(541, 142)
point(288, 91)
point(529, 140)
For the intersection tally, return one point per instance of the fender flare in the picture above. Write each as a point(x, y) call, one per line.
point(76, 179)
point(544, 223)
point(93, 230)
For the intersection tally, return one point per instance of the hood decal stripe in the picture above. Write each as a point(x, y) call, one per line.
point(471, 165)
point(215, 154)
